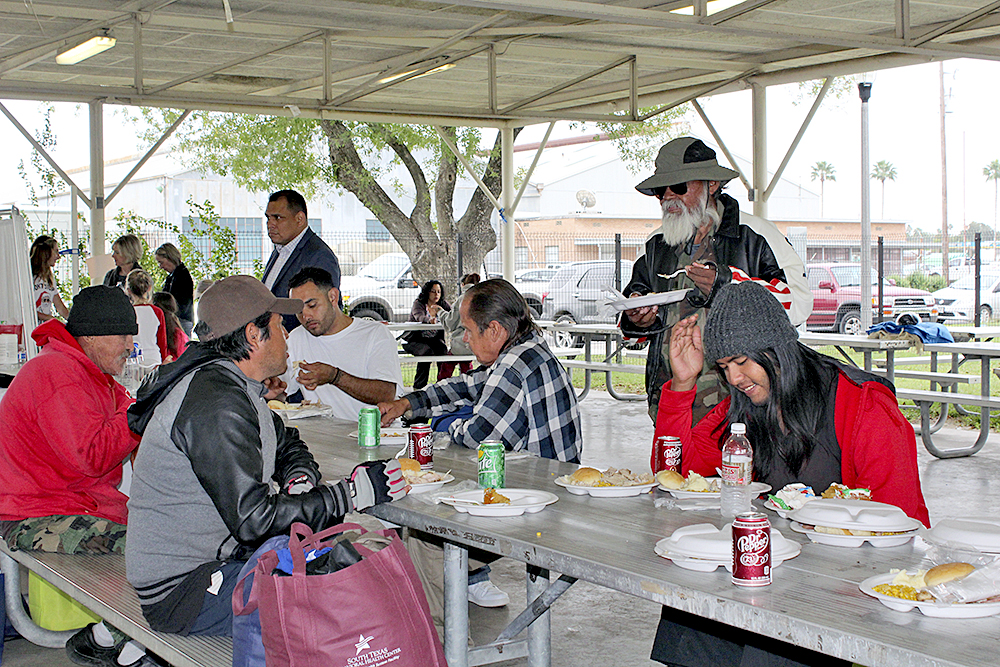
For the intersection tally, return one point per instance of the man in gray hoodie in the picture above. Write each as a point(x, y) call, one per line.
point(217, 472)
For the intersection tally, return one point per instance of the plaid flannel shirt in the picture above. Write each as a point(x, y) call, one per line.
point(524, 399)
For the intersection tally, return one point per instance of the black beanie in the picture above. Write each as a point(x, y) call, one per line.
point(744, 318)
point(101, 311)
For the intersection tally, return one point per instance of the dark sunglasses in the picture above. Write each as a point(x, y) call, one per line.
point(679, 189)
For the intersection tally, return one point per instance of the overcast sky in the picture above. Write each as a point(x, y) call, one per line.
point(904, 123)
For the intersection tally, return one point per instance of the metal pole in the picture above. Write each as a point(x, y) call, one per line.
point(456, 605)
point(759, 102)
point(74, 230)
point(618, 262)
point(944, 186)
point(98, 243)
point(978, 282)
point(865, 92)
point(881, 274)
point(507, 198)
point(539, 632)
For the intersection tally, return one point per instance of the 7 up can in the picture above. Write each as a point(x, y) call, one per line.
point(491, 465)
point(369, 427)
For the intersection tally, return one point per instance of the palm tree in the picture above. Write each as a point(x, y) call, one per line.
point(992, 173)
point(883, 171)
point(824, 171)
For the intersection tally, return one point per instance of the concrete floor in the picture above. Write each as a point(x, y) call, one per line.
point(588, 620)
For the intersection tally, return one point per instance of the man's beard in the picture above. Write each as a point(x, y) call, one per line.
point(681, 223)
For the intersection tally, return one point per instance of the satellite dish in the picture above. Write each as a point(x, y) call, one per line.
point(587, 199)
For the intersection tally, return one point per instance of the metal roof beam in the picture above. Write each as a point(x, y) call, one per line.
point(798, 137)
point(736, 11)
point(722, 144)
point(956, 24)
point(902, 12)
point(149, 154)
point(567, 84)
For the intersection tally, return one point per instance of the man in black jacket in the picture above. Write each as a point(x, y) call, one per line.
point(217, 472)
point(705, 242)
point(295, 246)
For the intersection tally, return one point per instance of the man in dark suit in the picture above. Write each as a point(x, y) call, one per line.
point(295, 246)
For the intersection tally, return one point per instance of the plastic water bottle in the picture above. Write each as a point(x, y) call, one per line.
point(737, 471)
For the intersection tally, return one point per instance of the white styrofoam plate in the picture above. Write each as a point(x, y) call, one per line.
point(303, 411)
point(388, 436)
point(704, 540)
point(521, 501)
point(756, 488)
point(710, 564)
point(653, 299)
point(938, 609)
point(783, 513)
point(978, 534)
point(430, 486)
point(853, 540)
point(604, 491)
point(854, 514)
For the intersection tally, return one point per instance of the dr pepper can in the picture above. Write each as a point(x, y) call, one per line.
point(751, 550)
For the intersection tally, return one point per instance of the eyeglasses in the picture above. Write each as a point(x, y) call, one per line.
point(679, 189)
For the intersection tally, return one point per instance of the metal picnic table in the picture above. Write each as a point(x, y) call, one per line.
point(866, 345)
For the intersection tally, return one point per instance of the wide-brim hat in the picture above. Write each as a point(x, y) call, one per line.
point(682, 160)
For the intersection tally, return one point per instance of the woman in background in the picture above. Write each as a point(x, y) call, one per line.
point(152, 337)
point(44, 254)
point(126, 251)
point(177, 340)
point(426, 307)
point(455, 332)
point(178, 283)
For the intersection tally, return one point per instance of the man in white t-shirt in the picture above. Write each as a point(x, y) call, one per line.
point(343, 362)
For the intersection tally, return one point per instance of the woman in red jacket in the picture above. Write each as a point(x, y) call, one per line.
point(809, 418)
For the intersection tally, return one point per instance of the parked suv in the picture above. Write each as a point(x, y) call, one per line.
point(836, 290)
point(574, 294)
point(384, 290)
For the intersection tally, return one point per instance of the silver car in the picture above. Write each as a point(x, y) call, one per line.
point(574, 295)
point(957, 302)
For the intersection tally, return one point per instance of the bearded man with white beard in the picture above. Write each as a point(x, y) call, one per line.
point(705, 234)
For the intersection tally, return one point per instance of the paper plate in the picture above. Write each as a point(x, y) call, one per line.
point(938, 609)
point(521, 501)
point(782, 550)
point(859, 514)
point(654, 299)
point(756, 488)
point(853, 540)
point(783, 513)
point(430, 486)
point(388, 436)
point(310, 410)
point(604, 491)
point(977, 534)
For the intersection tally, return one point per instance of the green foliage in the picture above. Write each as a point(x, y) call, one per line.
point(992, 171)
point(921, 281)
point(841, 90)
point(130, 222)
point(50, 181)
point(221, 261)
point(985, 231)
point(883, 171)
point(824, 171)
point(638, 143)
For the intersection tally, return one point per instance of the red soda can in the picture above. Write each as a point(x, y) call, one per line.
point(419, 446)
point(667, 453)
point(751, 549)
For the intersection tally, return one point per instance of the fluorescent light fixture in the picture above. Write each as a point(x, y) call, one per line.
point(713, 7)
point(402, 75)
point(91, 47)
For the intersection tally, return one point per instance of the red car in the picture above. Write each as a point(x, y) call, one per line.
point(836, 290)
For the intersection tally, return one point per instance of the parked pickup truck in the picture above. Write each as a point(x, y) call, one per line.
point(836, 290)
point(384, 290)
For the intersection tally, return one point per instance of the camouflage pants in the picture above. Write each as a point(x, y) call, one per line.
point(66, 534)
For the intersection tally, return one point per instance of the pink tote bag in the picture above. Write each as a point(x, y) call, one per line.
point(371, 613)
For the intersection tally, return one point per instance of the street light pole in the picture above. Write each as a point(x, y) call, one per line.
point(865, 92)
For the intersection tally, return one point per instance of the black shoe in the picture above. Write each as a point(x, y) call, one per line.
point(84, 650)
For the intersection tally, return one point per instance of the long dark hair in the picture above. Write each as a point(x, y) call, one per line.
point(40, 254)
point(797, 401)
point(425, 292)
point(166, 302)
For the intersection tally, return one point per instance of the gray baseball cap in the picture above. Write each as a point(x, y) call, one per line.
point(236, 301)
point(682, 160)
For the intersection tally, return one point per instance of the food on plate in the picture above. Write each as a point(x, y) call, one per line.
point(856, 532)
point(610, 477)
point(670, 479)
point(793, 496)
point(696, 482)
point(491, 497)
point(947, 572)
point(414, 475)
point(913, 586)
point(840, 491)
point(586, 477)
point(281, 405)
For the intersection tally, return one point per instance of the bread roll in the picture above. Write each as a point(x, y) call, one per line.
point(947, 572)
point(409, 465)
point(670, 479)
point(586, 477)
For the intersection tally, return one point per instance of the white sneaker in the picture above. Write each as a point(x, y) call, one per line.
point(486, 594)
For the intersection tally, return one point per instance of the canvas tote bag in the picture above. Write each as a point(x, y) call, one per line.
point(369, 614)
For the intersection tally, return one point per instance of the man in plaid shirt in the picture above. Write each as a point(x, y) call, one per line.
point(521, 395)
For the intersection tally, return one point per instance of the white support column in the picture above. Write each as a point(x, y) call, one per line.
point(74, 230)
point(759, 93)
point(98, 245)
point(507, 198)
point(865, 91)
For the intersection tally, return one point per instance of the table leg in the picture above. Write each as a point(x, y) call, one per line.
point(890, 365)
point(456, 605)
point(587, 340)
point(539, 632)
point(19, 617)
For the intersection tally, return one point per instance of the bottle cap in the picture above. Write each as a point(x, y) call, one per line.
point(736, 428)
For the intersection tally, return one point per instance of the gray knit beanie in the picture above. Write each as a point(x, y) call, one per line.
point(744, 318)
